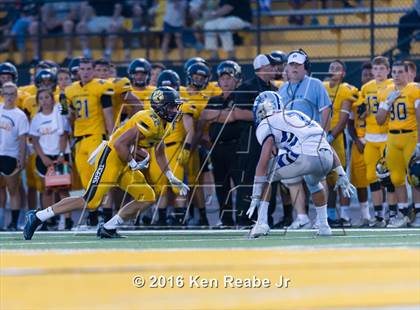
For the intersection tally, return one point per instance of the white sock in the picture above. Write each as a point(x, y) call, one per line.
point(344, 212)
point(364, 208)
point(303, 218)
point(114, 222)
point(263, 212)
point(45, 214)
point(321, 215)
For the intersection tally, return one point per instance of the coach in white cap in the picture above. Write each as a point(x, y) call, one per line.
point(307, 95)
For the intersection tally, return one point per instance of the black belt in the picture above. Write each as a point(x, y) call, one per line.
point(395, 131)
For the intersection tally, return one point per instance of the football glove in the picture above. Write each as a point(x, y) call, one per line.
point(255, 203)
point(257, 190)
point(343, 183)
point(183, 188)
point(134, 165)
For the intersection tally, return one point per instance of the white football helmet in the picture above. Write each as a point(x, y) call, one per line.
point(265, 105)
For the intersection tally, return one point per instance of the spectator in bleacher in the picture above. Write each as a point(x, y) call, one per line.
point(144, 13)
point(100, 17)
point(231, 15)
point(28, 14)
point(59, 17)
point(173, 24)
point(157, 68)
point(143, 17)
point(8, 14)
point(296, 19)
point(409, 23)
point(197, 10)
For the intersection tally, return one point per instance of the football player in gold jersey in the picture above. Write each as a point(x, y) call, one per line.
point(116, 166)
point(376, 137)
point(356, 126)
point(177, 149)
point(123, 94)
point(91, 103)
point(401, 103)
point(139, 75)
point(342, 96)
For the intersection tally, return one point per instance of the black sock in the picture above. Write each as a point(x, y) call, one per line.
point(378, 212)
point(179, 215)
point(404, 211)
point(393, 210)
point(15, 216)
point(287, 211)
point(107, 214)
point(162, 215)
point(202, 213)
point(93, 218)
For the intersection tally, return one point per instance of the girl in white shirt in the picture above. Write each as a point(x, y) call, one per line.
point(13, 131)
point(49, 132)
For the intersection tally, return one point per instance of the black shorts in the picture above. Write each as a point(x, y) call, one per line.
point(7, 165)
point(41, 169)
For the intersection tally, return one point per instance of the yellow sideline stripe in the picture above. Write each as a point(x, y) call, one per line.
point(318, 278)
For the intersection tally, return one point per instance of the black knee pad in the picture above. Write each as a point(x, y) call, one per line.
point(375, 186)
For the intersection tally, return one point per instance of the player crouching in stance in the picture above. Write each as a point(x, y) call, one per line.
point(116, 166)
point(293, 145)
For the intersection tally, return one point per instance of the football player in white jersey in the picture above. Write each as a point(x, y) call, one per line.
point(293, 146)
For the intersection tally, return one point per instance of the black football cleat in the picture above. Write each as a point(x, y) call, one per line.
point(104, 233)
point(32, 223)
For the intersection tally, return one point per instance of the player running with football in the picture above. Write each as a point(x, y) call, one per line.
point(116, 166)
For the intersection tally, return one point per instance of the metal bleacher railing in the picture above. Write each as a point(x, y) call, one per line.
point(348, 33)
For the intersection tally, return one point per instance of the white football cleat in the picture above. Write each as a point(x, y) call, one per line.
point(259, 230)
point(298, 224)
point(416, 221)
point(324, 230)
point(398, 221)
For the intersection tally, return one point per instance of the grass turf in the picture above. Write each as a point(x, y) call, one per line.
point(142, 240)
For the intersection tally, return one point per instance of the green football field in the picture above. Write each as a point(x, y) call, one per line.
point(213, 239)
point(353, 269)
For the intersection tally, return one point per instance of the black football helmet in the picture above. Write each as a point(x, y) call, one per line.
point(139, 65)
point(229, 67)
point(194, 60)
point(199, 69)
point(169, 78)
point(279, 56)
point(414, 171)
point(162, 99)
point(9, 68)
point(74, 68)
point(46, 75)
